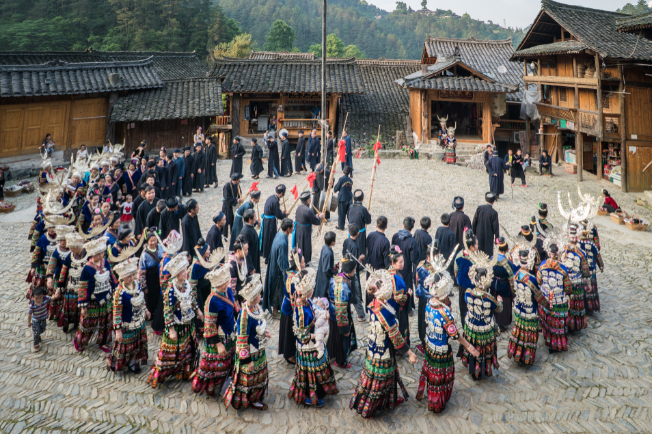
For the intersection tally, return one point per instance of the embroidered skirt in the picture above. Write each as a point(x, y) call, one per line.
point(133, 346)
point(437, 378)
point(158, 320)
point(213, 369)
point(377, 387)
point(591, 297)
point(576, 311)
point(504, 318)
point(313, 377)
point(287, 342)
point(56, 305)
point(248, 386)
point(485, 342)
point(69, 315)
point(553, 321)
point(176, 357)
point(523, 342)
point(451, 156)
point(98, 321)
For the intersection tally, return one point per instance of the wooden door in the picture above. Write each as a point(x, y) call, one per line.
point(34, 135)
point(55, 121)
point(639, 155)
point(88, 122)
point(11, 130)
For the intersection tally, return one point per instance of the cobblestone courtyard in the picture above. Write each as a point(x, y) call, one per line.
point(602, 384)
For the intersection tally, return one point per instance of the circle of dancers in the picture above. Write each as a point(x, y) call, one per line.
point(104, 283)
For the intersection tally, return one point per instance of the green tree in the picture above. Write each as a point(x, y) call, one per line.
point(424, 4)
point(353, 51)
point(280, 37)
point(640, 8)
point(401, 7)
point(334, 46)
point(240, 47)
point(315, 48)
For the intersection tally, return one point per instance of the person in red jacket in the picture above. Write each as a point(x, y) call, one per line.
point(609, 203)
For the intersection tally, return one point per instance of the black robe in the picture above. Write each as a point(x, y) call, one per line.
point(141, 216)
point(171, 221)
point(188, 174)
point(272, 159)
point(238, 222)
point(410, 249)
point(300, 155)
point(214, 238)
point(134, 207)
point(377, 254)
point(153, 219)
point(329, 152)
point(191, 234)
point(325, 272)
point(271, 214)
point(173, 179)
point(359, 216)
point(253, 256)
point(446, 239)
point(238, 151)
point(256, 160)
point(286, 158)
point(458, 222)
point(318, 186)
point(486, 227)
point(302, 236)
point(200, 164)
point(275, 275)
point(231, 193)
point(211, 164)
point(423, 240)
point(496, 168)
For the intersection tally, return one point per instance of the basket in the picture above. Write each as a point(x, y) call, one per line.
point(7, 209)
point(603, 212)
point(618, 217)
point(29, 189)
point(636, 226)
point(13, 193)
point(570, 167)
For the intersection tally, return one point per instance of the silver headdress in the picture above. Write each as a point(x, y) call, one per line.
point(305, 284)
point(94, 231)
point(95, 247)
point(439, 282)
point(62, 231)
point(482, 270)
point(522, 244)
point(74, 240)
point(173, 243)
point(214, 259)
point(127, 251)
point(177, 265)
point(557, 237)
point(219, 276)
point(251, 290)
point(127, 267)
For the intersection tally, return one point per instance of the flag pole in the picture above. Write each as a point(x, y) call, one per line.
point(373, 172)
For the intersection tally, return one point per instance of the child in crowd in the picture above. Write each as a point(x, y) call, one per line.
point(127, 218)
point(37, 314)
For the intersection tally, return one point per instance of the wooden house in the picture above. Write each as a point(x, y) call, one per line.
point(461, 79)
point(282, 92)
point(596, 90)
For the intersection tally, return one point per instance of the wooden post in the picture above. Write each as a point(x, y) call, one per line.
point(579, 146)
point(599, 101)
point(574, 67)
point(623, 133)
point(373, 172)
point(527, 135)
point(524, 67)
point(598, 170)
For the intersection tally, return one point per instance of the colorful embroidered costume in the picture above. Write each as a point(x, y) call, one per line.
point(129, 317)
point(480, 331)
point(68, 284)
point(525, 334)
point(287, 346)
point(341, 321)
point(44, 249)
point(377, 388)
point(53, 271)
point(450, 144)
point(578, 271)
point(555, 286)
point(594, 261)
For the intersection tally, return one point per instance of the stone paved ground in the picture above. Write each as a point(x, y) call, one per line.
point(602, 384)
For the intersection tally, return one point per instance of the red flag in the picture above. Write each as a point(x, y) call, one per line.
point(377, 159)
point(358, 154)
point(341, 152)
point(311, 178)
point(254, 187)
point(377, 145)
point(295, 192)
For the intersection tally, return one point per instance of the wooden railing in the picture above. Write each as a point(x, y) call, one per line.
point(223, 120)
point(306, 124)
point(512, 124)
point(556, 112)
point(560, 81)
point(589, 122)
point(611, 123)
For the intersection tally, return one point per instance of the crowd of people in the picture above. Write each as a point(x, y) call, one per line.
point(106, 278)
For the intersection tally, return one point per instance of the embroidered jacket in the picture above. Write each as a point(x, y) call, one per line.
point(219, 319)
point(163, 274)
point(128, 307)
point(595, 237)
point(481, 308)
point(554, 282)
point(45, 247)
point(424, 269)
point(440, 327)
point(503, 282)
point(384, 335)
point(250, 336)
point(179, 307)
point(463, 263)
point(304, 323)
point(575, 261)
point(535, 264)
point(399, 296)
point(56, 263)
point(339, 294)
point(236, 284)
point(36, 230)
point(593, 256)
point(527, 295)
point(95, 286)
point(71, 272)
point(288, 292)
point(197, 273)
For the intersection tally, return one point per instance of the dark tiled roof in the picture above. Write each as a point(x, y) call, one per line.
point(281, 75)
point(473, 84)
point(597, 29)
point(483, 56)
point(272, 55)
point(168, 65)
point(634, 22)
point(565, 47)
point(383, 103)
point(178, 99)
point(61, 78)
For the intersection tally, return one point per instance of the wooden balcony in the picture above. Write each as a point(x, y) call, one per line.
point(589, 122)
point(223, 122)
point(591, 83)
point(299, 124)
point(511, 124)
point(556, 112)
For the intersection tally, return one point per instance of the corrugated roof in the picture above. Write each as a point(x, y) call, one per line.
point(168, 65)
point(283, 54)
point(282, 75)
point(62, 78)
point(564, 47)
point(383, 103)
point(472, 84)
point(178, 99)
point(634, 22)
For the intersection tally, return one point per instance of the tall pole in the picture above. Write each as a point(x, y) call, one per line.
point(323, 85)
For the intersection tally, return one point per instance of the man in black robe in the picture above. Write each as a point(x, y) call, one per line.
point(286, 156)
point(487, 156)
point(188, 172)
point(496, 168)
point(314, 149)
point(330, 143)
point(359, 216)
point(408, 245)
point(191, 229)
point(377, 255)
point(445, 239)
point(237, 152)
point(214, 236)
point(256, 165)
point(423, 238)
point(300, 154)
point(344, 186)
point(137, 201)
point(326, 270)
point(163, 180)
point(254, 198)
point(273, 165)
point(143, 210)
point(485, 225)
point(278, 265)
point(151, 171)
point(249, 233)
point(211, 163)
point(200, 168)
point(319, 185)
point(459, 221)
point(173, 176)
point(232, 198)
point(154, 217)
point(271, 214)
point(171, 217)
point(306, 217)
